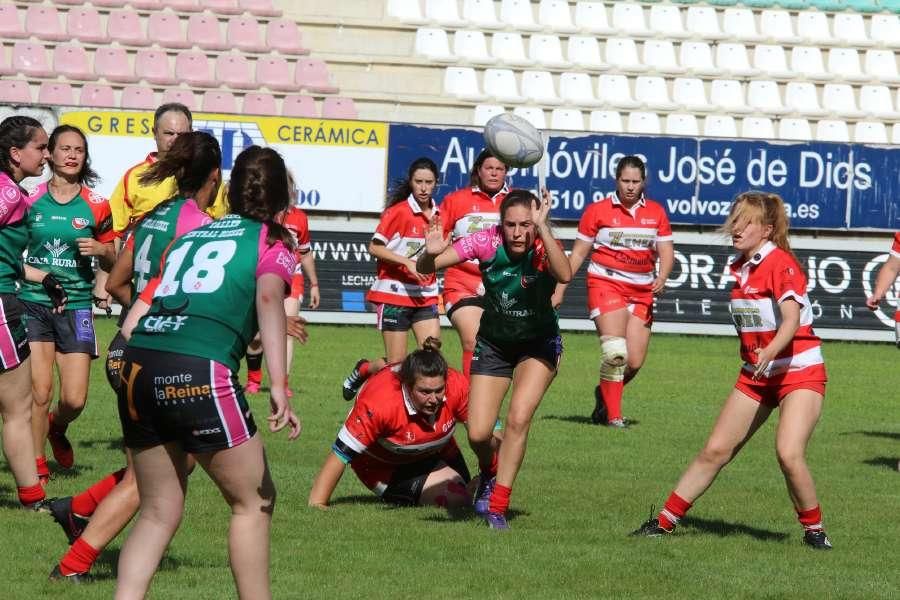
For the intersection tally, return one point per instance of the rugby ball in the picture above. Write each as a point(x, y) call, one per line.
point(513, 140)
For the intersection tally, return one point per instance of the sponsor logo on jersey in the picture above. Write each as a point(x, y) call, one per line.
point(506, 302)
point(94, 198)
point(38, 216)
point(167, 323)
point(56, 247)
point(80, 222)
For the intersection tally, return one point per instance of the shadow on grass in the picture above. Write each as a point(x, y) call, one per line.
point(9, 498)
point(466, 514)
point(891, 435)
point(583, 420)
point(114, 443)
point(884, 461)
point(109, 561)
point(725, 529)
point(357, 499)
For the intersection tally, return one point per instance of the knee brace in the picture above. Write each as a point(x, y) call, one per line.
point(614, 356)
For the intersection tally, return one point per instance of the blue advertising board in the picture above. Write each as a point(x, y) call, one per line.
point(824, 185)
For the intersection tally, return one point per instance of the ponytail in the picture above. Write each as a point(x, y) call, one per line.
point(190, 160)
point(425, 362)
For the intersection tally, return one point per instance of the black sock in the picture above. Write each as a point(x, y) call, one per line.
point(254, 361)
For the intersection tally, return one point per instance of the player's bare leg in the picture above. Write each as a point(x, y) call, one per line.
point(466, 320)
point(425, 329)
point(15, 409)
point(446, 488)
point(42, 374)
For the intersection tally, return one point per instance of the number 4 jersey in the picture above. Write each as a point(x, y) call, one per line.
point(204, 302)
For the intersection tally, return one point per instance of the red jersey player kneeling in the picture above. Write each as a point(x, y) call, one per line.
point(398, 438)
point(783, 368)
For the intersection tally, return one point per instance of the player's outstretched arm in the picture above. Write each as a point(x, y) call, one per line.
point(438, 254)
point(887, 275)
point(556, 256)
point(326, 481)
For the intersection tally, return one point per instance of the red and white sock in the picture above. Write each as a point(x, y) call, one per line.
point(43, 469)
point(811, 518)
point(79, 559)
point(673, 511)
point(85, 503)
point(500, 499)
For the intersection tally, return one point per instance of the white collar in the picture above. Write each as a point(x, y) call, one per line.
point(641, 201)
point(414, 205)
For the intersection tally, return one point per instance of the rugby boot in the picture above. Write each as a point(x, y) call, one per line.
point(496, 521)
point(42, 506)
point(618, 424)
point(354, 381)
point(76, 578)
point(483, 494)
point(72, 524)
point(59, 443)
point(598, 417)
point(816, 539)
point(651, 528)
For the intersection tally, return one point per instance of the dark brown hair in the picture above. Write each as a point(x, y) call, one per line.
point(427, 361)
point(403, 188)
point(474, 178)
point(258, 190)
point(87, 176)
point(15, 132)
point(193, 156)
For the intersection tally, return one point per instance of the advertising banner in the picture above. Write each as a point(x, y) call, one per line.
point(339, 165)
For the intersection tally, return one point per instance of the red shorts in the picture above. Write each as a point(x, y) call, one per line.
point(455, 295)
point(773, 391)
point(607, 295)
point(297, 287)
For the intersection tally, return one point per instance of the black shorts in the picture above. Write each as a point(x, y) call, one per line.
point(114, 360)
point(166, 397)
point(14, 348)
point(408, 481)
point(72, 331)
point(392, 317)
point(477, 301)
point(499, 360)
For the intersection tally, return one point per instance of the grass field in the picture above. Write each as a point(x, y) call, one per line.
point(581, 490)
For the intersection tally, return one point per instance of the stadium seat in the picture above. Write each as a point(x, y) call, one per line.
point(881, 65)
point(690, 93)
point(764, 96)
point(759, 3)
point(484, 112)
point(10, 22)
point(433, 44)
point(614, 90)
point(584, 51)
point(260, 8)
point(509, 49)
point(15, 91)
point(555, 15)
point(30, 58)
point(97, 95)
point(501, 85)
point(124, 26)
point(739, 24)
point(850, 30)
point(537, 86)
point(844, 63)
point(566, 119)
point(681, 124)
point(807, 60)
point(164, 28)
point(770, 60)
point(470, 46)
point(720, 126)
point(697, 58)
point(870, 132)
point(590, 17)
point(628, 18)
point(405, 11)
point(605, 121)
point(828, 130)
point(192, 67)
point(152, 66)
point(71, 61)
point(728, 95)
point(111, 63)
point(546, 51)
point(828, 4)
point(481, 14)
point(794, 129)
point(140, 98)
point(274, 73)
point(242, 33)
point(443, 13)
point(793, 4)
point(875, 101)
point(801, 97)
point(644, 122)
point(653, 93)
point(532, 114)
point(577, 89)
point(622, 54)
point(42, 22)
point(110, 3)
point(64, 2)
point(839, 99)
point(732, 58)
point(659, 55)
point(778, 26)
point(885, 30)
point(462, 83)
point(56, 92)
point(337, 107)
point(233, 70)
point(184, 5)
point(148, 5)
point(812, 28)
point(283, 35)
point(665, 20)
point(215, 101)
point(296, 105)
point(517, 15)
point(757, 127)
point(83, 24)
point(203, 30)
point(703, 22)
point(259, 103)
point(223, 7)
point(183, 96)
point(866, 6)
point(312, 75)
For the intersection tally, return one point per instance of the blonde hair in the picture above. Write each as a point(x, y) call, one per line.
point(764, 208)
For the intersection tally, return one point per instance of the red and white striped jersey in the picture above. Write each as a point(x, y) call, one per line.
point(296, 221)
point(463, 212)
point(763, 282)
point(402, 230)
point(624, 240)
point(895, 249)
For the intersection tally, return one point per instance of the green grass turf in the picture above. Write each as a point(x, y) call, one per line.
point(581, 490)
